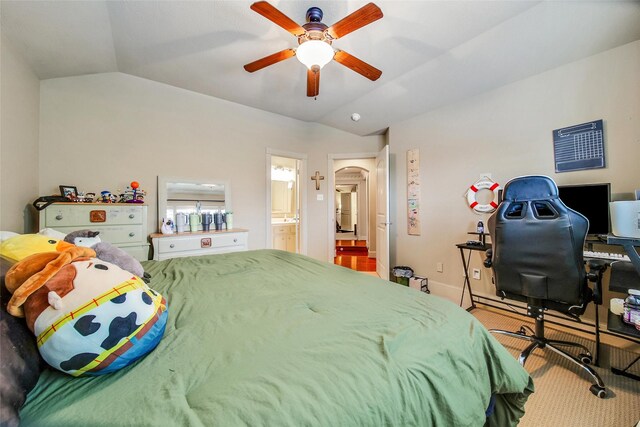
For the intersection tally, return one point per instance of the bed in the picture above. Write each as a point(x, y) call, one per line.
point(270, 338)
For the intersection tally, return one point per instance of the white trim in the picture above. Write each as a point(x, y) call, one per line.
point(331, 201)
point(302, 157)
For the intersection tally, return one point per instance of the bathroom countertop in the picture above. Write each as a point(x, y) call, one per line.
point(282, 222)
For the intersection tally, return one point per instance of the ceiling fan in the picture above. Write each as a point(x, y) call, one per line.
point(314, 39)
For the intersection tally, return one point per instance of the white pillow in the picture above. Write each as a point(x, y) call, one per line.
point(54, 234)
point(4, 235)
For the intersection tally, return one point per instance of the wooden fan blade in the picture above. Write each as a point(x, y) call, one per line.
point(358, 19)
point(313, 82)
point(274, 15)
point(357, 65)
point(269, 60)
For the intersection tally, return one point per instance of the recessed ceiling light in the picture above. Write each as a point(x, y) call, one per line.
point(355, 117)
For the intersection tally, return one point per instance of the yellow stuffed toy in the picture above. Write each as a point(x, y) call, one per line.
point(21, 246)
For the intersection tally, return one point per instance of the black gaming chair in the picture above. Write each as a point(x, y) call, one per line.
point(537, 258)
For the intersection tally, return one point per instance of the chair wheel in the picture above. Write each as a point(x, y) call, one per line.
point(601, 392)
point(585, 358)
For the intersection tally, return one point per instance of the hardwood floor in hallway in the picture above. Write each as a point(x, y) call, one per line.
point(353, 254)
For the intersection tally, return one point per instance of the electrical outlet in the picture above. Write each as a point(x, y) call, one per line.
point(476, 273)
point(439, 267)
point(319, 197)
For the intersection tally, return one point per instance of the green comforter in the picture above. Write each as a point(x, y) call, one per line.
point(269, 338)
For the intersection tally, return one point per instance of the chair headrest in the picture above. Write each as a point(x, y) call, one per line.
point(532, 187)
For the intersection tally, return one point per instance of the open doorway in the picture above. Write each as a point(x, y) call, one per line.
point(346, 212)
point(354, 212)
point(285, 201)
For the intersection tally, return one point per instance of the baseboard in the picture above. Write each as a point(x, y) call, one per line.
point(372, 254)
point(444, 290)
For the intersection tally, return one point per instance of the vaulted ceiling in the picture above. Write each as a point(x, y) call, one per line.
point(431, 53)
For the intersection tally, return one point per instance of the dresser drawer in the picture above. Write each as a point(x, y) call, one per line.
point(201, 241)
point(91, 215)
point(115, 234)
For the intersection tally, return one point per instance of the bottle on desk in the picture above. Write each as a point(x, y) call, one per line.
point(631, 313)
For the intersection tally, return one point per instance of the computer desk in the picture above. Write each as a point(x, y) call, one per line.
point(615, 326)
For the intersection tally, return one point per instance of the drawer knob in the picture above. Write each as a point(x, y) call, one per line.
point(172, 246)
point(235, 240)
point(132, 216)
point(59, 217)
point(132, 234)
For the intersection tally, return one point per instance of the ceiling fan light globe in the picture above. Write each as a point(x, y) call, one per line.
point(315, 52)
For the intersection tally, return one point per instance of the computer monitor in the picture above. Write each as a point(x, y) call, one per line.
point(592, 201)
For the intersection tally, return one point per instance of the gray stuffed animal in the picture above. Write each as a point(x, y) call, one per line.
point(107, 252)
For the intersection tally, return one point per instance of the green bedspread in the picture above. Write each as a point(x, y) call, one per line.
point(269, 338)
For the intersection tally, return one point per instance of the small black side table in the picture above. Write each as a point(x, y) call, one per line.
point(481, 246)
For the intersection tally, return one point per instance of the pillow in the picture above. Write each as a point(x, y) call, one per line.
point(50, 232)
point(20, 364)
point(89, 316)
point(4, 235)
point(18, 247)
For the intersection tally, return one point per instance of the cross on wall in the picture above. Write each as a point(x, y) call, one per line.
point(317, 178)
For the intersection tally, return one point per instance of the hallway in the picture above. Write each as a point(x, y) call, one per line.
point(353, 254)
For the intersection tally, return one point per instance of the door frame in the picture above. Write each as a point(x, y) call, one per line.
point(331, 202)
point(270, 152)
point(383, 220)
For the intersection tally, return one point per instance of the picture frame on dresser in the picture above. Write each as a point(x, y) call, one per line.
point(68, 191)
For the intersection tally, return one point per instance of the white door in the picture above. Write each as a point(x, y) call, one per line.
point(382, 213)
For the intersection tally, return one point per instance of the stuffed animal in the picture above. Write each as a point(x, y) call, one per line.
point(89, 316)
point(167, 226)
point(21, 246)
point(107, 252)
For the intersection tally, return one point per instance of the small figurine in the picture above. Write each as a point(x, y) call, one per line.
point(167, 226)
point(105, 196)
point(138, 194)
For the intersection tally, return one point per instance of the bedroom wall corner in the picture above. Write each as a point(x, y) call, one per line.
point(19, 133)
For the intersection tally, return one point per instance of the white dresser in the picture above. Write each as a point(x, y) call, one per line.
point(177, 245)
point(122, 224)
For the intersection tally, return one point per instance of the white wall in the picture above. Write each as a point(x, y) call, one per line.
point(19, 103)
point(103, 131)
point(507, 132)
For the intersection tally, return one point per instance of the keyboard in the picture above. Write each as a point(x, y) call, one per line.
point(606, 256)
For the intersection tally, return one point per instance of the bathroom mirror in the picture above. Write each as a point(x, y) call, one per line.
point(187, 195)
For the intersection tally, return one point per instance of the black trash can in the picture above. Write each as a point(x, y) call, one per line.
point(402, 274)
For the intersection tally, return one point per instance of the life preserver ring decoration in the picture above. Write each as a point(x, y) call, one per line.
point(483, 184)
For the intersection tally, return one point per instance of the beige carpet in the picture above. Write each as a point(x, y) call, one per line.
point(562, 396)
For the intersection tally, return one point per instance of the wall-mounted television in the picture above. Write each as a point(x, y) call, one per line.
point(592, 201)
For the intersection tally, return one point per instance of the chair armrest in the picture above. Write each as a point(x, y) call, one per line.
point(488, 262)
point(596, 270)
